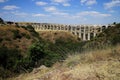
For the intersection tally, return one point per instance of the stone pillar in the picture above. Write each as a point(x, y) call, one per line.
point(84, 34)
point(94, 34)
point(79, 32)
point(88, 35)
point(75, 30)
point(79, 35)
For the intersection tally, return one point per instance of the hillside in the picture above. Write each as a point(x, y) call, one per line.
point(22, 49)
point(18, 38)
point(15, 42)
point(53, 36)
point(100, 60)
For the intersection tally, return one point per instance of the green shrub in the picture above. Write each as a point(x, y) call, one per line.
point(16, 34)
point(40, 54)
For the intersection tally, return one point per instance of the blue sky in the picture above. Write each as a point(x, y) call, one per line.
point(61, 11)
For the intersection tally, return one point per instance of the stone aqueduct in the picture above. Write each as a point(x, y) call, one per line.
point(84, 32)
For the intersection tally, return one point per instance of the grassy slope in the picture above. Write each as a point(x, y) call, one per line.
point(94, 65)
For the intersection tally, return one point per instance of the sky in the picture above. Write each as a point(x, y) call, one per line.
point(61, 11)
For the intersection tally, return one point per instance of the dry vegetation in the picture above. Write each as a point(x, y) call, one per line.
point(14, 37)
point(52, 36)
point(94, 65)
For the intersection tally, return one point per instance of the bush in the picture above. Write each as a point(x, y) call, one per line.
point(9, 59)
point(40, 55)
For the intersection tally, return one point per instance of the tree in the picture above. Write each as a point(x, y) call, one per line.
point(114, 23)
point(1, 21)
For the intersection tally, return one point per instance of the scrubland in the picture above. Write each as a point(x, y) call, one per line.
point(93, 65)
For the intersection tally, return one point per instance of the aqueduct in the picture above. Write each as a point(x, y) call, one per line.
point(84, 32)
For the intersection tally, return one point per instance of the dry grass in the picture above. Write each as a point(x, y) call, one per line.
point(52, 36)
point(94, 65)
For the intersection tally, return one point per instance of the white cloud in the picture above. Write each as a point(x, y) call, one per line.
point(17, 13)
point(83, 1)
point(60, 1)
point(39, 15)
point(93, 14)
point(66, 4)
point(60, 13)
point(50, 9)
point(112, 4)
point(10, 7)
point(91, 2)
point(40, 3)
point(53, 10)
point(1, 1)
point(88, 2)
point(63, 2)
